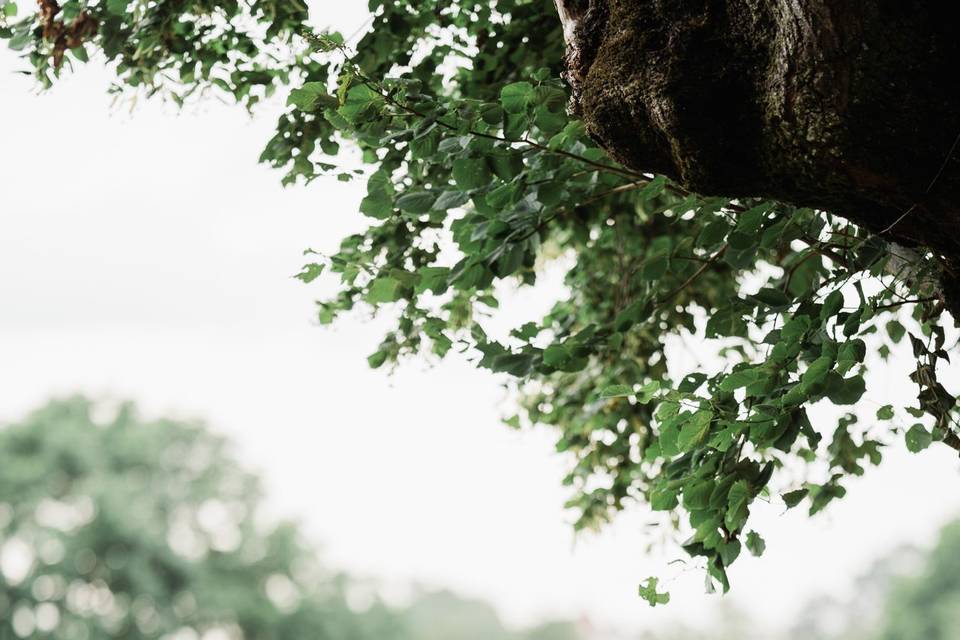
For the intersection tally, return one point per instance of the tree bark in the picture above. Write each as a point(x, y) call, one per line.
point(849, 106)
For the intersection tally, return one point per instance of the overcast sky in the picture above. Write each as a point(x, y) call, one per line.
point(145, 254)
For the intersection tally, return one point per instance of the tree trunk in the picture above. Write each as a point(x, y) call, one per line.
point(849, 106)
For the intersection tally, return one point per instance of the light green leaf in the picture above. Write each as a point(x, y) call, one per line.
point(310, 272)
point(663, 499)
point(433, 279)
point(694, 431)
point(741, 378)
point(648, 391)
point(616, 391)
point(311, 95)
point(361, 103)
point(648, 591)
point(384, 290)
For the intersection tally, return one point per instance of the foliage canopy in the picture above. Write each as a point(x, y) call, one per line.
point(477, 175)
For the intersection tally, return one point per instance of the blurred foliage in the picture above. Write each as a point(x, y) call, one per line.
point(477, 176)
point(115, 527)
point(927, 605)
point(444, 616)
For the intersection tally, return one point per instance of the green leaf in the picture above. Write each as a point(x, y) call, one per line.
point(648, 392)
point(516, 364)
point(738, 502)
point(896, 331)
point(491, 113)
point(361, 104)
point(517, 97)
point(755, 544)
point(663, 499)
point(648, 591)
point(713, 234)
point(816, 374)
point(851, 353)
point(694, 431)
point(548, 120)
point(433, 279)
point(379, 201)
point(310, 272)
point(416, 202)
point(845, 391)
point(655, 268)
point(793, 498)
point(741, 378)
point(377, 360)
point(556, 355)
point(504, 195)
point(726, 322)
point(384, 290)
point(918, 438)
point(773, 298)
point(572, 132)
point(743, 242)
point(451, 200)
point(310, 96)
point(729, 552)
point(471, 173)
point(831, 306)
point(670, 435)
point(696, 496)
point(507, 165)
point(885, 412)
point(117, 7)
point(616, 391)
point(692, 382)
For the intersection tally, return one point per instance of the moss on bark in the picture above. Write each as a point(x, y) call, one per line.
point(846, 105)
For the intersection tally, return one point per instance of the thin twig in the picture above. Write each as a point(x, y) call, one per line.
point(946, 161)
point(892, 305)
point(703, 268)
point(899, 220)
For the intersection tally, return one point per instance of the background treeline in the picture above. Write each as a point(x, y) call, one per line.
point(112, 526)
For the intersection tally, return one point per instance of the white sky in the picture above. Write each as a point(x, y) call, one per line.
point(147, 255)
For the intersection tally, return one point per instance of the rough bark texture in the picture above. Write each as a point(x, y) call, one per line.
point(851, 106)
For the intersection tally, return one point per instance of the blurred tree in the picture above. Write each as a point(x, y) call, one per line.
point(116, 527)
point(927, 605)
point(444, 615)
point(858, 616)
